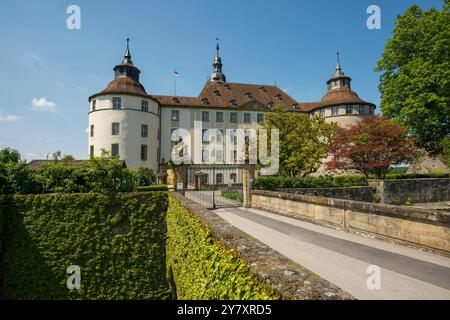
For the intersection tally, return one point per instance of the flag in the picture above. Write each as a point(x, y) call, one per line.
point(176, 73)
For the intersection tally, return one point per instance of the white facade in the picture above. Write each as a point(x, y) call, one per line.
point(130, 137)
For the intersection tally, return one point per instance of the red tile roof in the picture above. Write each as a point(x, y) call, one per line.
point(220, 94)
point(334, 97)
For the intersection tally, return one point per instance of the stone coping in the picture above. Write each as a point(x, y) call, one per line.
point(289, 279)
point(402, 212)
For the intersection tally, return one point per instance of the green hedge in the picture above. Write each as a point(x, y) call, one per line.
point(275, 182)
point(202, 268)
point(393, 176)
point(117, 240)
point(161, 187)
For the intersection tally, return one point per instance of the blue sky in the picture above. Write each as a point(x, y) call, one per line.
point(50, 71)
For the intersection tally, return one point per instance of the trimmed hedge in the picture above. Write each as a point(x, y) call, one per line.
point(393, 176)
point(277, 182)
point(161, 187)
point(117, 240)
point(202, 268)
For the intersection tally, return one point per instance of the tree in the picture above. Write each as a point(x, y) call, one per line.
point(107, 175)
point(146, 176)
point(8, 155)
point(303, 140)
point(371, 146)
point(16, 177)
point(415, 80)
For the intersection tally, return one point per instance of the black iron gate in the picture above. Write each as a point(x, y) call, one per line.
point(221, 186)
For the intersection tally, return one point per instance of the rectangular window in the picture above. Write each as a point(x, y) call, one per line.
point(94, 105)
point(260, 117)
point(92, 130)
point(233, 155)
point(205, 179)
point(144, 152)
point(370, 110)
point(117, 103)
point(205, 116)
point(348, 109)
point(115, 129)
point(174, 134)
point(205, 155)
point(233, 117)
point(322, 113)
point(205, 135)
point(144, 131)
point(233, 177)
point(247, 117)
point(335, 111)
point(219, 135)
point(91, 151)
point(219, 178)
point(175, 115)
point(144, 106)
point(219, 116)
point(115, 150)
point(361, 109)
point(219, 155)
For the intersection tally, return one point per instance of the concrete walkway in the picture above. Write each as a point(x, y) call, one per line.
point(344, 258)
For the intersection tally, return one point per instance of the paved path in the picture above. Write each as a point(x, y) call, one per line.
point(343, 258)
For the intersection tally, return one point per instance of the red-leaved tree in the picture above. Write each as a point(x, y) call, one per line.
point(371, 146)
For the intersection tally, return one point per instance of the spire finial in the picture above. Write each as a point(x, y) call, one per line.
point(338, 63)
point(127, 55)
point(217, 47)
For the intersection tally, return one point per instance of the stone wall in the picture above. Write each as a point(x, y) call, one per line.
point(349, 193)
point(287, 278)
point(418, 227)
point(418, 190)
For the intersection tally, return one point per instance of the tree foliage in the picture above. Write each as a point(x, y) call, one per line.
point(100, 174)
point(371, 146)
point(415, 80)
point(303, 140)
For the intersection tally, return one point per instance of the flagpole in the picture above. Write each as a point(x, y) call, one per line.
point(175, 86)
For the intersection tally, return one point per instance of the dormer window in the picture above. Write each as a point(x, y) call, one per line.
point(205, 101)
point(295, 106)
point(262, 89)
point(175, 100)
point(227, 87)
point(232, 103)
point(248, 95)
point(270, 104)
point(278, 97)
point(216, 93)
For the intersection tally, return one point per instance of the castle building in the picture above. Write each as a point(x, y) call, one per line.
point(137, 126)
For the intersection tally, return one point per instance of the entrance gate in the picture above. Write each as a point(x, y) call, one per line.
point(218, 186)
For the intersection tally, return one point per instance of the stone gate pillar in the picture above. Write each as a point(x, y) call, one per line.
point(248, 175)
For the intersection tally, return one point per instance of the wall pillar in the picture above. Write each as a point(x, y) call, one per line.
point(248, 175)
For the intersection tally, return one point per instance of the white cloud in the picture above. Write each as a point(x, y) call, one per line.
point(43, 104)
point(32, 155)
point(9, 117)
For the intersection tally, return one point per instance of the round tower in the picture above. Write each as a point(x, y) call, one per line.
point(124, 119)
point(340, 104)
